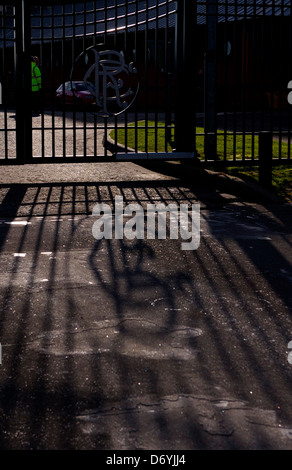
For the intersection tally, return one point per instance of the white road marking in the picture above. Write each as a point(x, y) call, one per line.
point(18, 222)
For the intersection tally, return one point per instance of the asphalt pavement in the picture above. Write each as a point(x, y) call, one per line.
point(136, 344)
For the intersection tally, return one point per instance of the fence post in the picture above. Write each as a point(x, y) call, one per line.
point(23, 83)
point(265, 159)
point(19, 62)
point(185, 76)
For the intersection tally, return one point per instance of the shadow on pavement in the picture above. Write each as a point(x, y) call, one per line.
point(136, 344)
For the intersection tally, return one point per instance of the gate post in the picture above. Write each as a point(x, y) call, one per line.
point(19, 109)
point(185, 76)
point(210, 81)
point(23, 83)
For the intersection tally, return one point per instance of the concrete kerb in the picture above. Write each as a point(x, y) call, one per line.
point(196, 173)
point(239, 186)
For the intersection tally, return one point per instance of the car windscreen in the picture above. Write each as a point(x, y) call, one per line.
point(80, 87)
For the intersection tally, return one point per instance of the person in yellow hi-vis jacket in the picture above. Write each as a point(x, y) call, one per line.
point(36, 84)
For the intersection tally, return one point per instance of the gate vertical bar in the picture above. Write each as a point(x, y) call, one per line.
point(210, 82)
point(185, 77)
point(19, 59)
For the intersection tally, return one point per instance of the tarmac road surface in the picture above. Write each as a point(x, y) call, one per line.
point(136, 344)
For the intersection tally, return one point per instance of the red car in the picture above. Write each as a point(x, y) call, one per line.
point(74, 93)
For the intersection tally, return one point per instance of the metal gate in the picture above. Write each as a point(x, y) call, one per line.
point(107, 68)
point(136, 79)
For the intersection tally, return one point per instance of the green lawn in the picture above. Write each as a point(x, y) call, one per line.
point(146, 139)
point(233, 146)
point(281, 178)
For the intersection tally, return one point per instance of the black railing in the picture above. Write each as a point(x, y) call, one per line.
point(247, 78)
point(204, 78)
